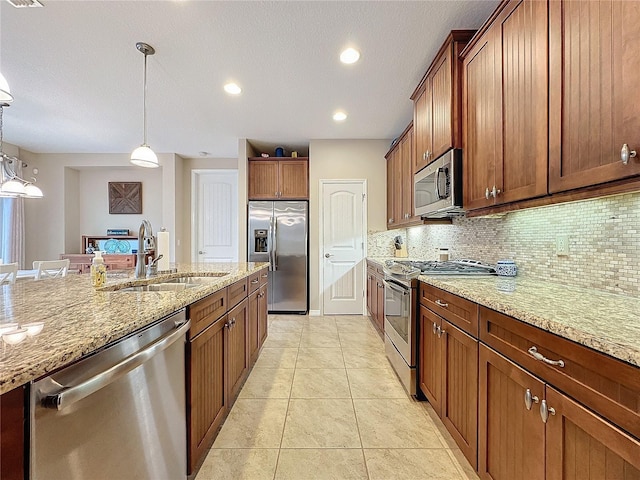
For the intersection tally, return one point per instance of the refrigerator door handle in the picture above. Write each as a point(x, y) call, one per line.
point(270, 244)
point(275, 243)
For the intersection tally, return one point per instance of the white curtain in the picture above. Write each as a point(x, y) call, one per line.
point(12, 238)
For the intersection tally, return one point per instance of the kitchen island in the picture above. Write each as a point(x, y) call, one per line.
point(80, 319)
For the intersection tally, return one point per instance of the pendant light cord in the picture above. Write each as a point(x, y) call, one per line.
point(144, 103)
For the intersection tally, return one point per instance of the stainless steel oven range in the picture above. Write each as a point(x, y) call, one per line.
point(400, 298)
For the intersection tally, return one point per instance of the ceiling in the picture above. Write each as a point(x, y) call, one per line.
point(77, 77)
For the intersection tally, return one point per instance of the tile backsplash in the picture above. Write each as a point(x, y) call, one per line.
point(604, 242)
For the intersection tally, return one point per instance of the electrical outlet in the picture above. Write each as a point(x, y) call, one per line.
point(562, 245)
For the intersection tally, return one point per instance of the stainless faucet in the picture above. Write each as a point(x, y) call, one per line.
point(152, 267)
point(146, 243)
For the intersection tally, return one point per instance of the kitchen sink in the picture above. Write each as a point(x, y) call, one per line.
point(176, 284)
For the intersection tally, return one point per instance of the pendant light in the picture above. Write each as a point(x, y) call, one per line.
point(143, 156)
point(11, 185)
point(5, 92)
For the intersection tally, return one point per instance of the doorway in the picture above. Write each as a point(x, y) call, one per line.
point(343, 214)
point(214, 222)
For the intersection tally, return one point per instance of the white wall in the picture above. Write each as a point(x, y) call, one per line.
point(344, 159)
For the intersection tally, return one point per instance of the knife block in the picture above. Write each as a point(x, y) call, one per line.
point(402, 252)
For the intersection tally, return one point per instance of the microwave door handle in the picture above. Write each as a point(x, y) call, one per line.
point(440, 170)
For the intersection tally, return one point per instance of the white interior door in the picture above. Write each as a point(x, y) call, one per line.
point(215, 228)
point(342, 248)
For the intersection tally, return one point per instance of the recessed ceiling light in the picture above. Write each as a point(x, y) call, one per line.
point(339, 116)
point(349, 55)
point(232, 89)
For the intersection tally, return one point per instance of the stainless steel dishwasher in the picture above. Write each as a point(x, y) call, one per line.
point(117, 414)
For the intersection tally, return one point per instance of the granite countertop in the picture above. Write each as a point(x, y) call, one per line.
point(79, 319)
point(606, 322)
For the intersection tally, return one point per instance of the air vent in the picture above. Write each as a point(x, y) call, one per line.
point(25, 3)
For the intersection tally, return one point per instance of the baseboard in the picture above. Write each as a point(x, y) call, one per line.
point(314, 313)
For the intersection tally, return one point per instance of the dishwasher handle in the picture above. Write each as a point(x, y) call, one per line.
point(69, 396)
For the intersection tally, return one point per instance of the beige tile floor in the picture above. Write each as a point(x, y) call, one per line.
point(322, 402)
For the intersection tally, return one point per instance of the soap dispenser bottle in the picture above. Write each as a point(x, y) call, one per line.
point(98, 270)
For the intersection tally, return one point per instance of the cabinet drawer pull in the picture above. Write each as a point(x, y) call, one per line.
point(545, 411)
point(533, 351)
point(530, 399)
point(265, 275)
point(442, 304)
point(253, 282)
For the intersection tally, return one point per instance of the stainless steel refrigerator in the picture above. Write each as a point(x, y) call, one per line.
point(278, 233)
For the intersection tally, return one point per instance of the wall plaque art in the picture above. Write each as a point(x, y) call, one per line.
point(125, 197)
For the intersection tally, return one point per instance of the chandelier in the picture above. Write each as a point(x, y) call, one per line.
point(12, 185)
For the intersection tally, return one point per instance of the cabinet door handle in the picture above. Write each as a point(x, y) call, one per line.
point(441, 331)
point(424, 155)
point(487, 194)
point(530, 399)
point(533, 351)
point(495, 192)
point(227, 325)
point(442, 304)
point(390, 220)
point(626, 153)
point(434, 328)
point(545, 411)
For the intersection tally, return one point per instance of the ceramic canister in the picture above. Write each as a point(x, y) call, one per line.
point(506, 268)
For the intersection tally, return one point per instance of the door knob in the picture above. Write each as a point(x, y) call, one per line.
point(200, 252)
point(327, 255)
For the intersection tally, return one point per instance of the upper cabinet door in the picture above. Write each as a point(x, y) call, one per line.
point(406, 155)
point(482, 142)
point(594, 92)
point(294, 179)
point(422, 127)
point(523, 32)
point(391, 220)
point(263, 179)
point(441, 106)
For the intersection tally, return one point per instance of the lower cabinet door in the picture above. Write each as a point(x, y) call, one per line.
point(380, 304)
point(582, 445)
point(430, 372)
point(207, 397)
point(460, 390)
point(238, 358)
point(254, 340)
point(511, 437)
point(263, 321)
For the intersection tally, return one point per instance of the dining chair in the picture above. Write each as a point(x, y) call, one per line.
point(8, 272)
point(51, 268)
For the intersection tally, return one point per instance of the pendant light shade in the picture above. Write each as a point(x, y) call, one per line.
point(5, 92)
point(143, 156)
point(12, 187)
point(31, 191)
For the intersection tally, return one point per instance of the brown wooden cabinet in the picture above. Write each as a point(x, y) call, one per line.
point(505, 108)
point(448, 377)
point(222, 339)
point(400, 182)
point(375, 295)
point(278, 179)
point(238, 359)
point(519, 440)
point(207, 388)
point(437, 103)
point(510, 436)
point(594, 92)
point(12, 434)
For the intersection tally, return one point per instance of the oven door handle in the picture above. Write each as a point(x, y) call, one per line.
point(396, 288)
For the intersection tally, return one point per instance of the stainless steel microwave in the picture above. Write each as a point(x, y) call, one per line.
point(438, 187)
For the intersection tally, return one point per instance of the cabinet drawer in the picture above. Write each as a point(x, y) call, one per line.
point(460, 312)
point(607, 385)
point(206, 311)
point(264, 276)
point(238, 291)
point(254, 282)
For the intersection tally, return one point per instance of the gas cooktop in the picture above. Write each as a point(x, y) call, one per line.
point(453, 267)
